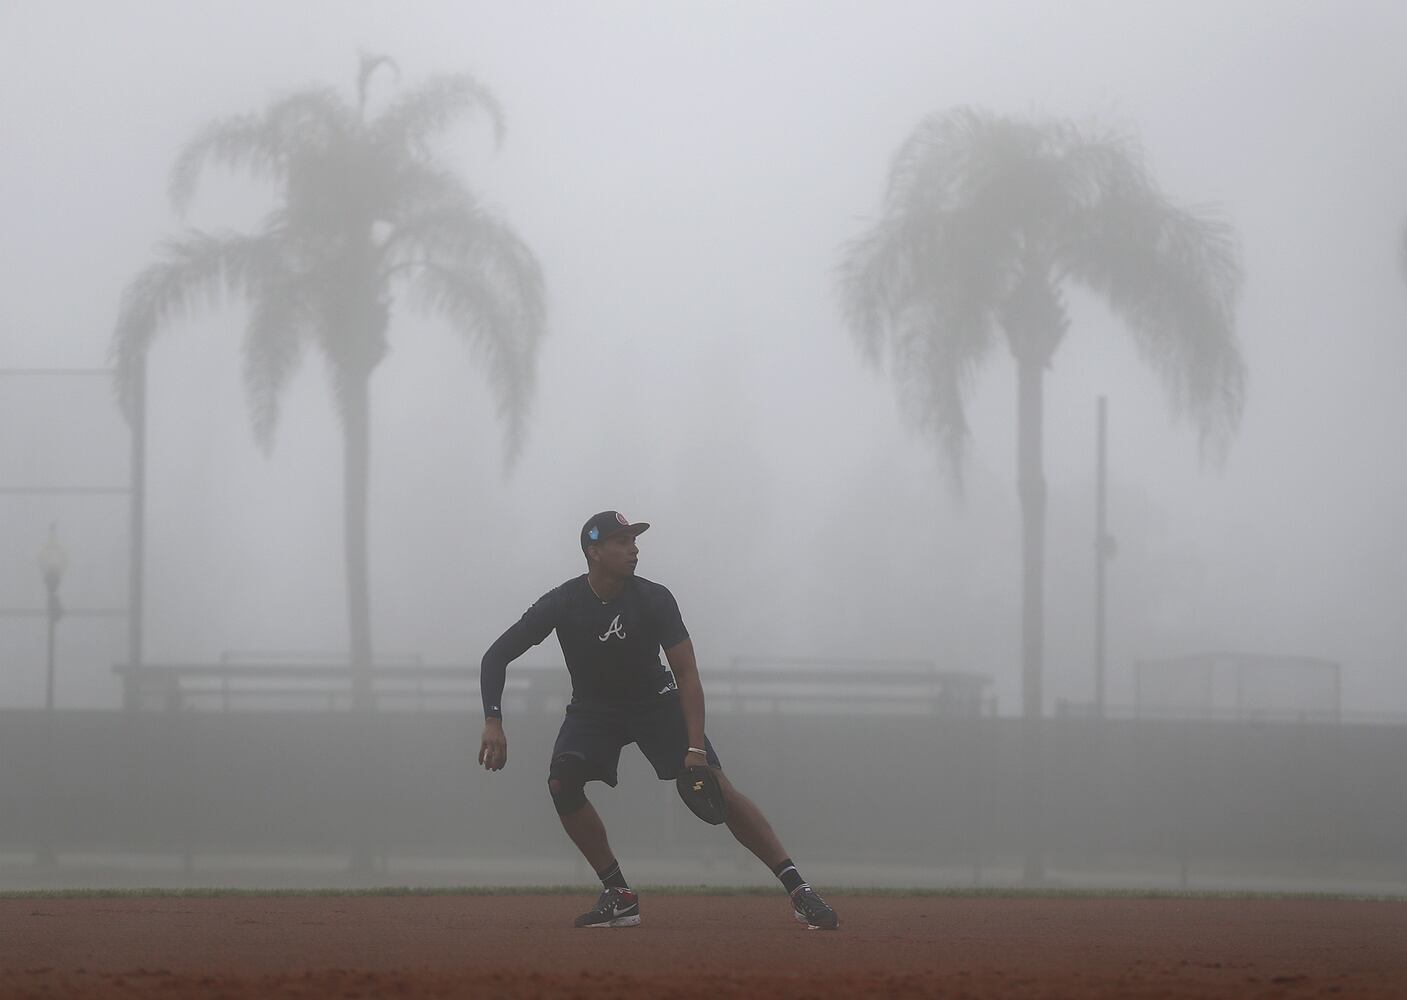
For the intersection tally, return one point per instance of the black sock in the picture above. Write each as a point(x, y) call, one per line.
point(611, 877)
point(791, 878)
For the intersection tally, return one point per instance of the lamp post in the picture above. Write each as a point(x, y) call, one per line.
point(53, 560)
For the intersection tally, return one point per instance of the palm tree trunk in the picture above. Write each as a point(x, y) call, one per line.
point(356, 423)
point(1031, 485)
point(356, 437)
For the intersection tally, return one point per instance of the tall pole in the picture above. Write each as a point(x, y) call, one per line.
point(44, 856)
point(1101, 551)
point(1030, 478)
point(1032, 490)
point(49, 670)
point(52, 562)
point(136, 539)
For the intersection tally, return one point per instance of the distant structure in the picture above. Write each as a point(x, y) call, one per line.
point(1243, 686)
point(68, 461)
point(295, 680)
point(839, 686)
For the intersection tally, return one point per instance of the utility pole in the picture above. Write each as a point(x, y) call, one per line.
point(1103, 549)
point(136, 533)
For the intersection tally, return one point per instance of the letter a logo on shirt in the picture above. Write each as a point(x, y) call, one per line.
point(614, 630)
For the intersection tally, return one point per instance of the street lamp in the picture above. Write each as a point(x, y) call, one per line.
point(53, 560)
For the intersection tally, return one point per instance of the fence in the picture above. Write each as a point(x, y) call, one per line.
point(72, 469)
point(313, 681)
point(1234, 685)
point(1121, 802)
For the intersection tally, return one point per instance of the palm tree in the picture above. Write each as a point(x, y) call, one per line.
point(362, 210)
point(986, 220)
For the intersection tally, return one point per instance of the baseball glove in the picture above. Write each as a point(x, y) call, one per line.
point(702, 793)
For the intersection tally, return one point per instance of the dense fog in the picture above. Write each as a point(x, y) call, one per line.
point(689, 177)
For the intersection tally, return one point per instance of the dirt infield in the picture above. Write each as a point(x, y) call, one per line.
point(523, 946)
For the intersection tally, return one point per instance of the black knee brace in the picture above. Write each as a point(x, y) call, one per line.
point(566, 779)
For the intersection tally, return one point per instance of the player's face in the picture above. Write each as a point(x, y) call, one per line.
point(619, 554)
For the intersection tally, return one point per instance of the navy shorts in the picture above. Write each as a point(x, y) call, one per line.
point(596, 734)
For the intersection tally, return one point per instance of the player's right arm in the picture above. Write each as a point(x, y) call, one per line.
point(535, 625)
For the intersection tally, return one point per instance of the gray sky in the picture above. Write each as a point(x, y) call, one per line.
point(687, 174)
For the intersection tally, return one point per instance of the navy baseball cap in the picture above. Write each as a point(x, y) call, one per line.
point(607, 523)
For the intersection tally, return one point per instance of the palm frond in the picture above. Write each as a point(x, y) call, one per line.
point(503, 326)
point(1011, 179)
point(985, 217)
point(934, 374)
point(932, 332)
point(457, 234)
point(1173, 275)
point(877, 276)
point(413, 120)
point(470, 268)
point(279, 325)
point(436, 215)
point(920, 288)
point(933, 242)
point(926, 169)
point(359, 206)
point(260, 143)
point(191, 270)
point(367, 64)
point(1096, 158)
point(417, 195)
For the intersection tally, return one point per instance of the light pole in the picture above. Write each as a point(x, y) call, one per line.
point(53, 560)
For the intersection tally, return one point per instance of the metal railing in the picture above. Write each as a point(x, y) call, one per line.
point(309, 681)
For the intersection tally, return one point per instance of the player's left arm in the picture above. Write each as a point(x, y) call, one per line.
point(691, 696)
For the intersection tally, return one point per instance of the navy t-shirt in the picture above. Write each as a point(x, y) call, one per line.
point(612, 648)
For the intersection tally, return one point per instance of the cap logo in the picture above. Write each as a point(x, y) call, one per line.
point(594, 534)
point(621, 518)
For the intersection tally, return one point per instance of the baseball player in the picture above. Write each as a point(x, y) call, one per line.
point(612, 625)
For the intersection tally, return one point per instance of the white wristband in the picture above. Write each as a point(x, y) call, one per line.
point(701, 753)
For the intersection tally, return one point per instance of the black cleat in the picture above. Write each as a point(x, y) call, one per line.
point(813, 911)
point(615, 908)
